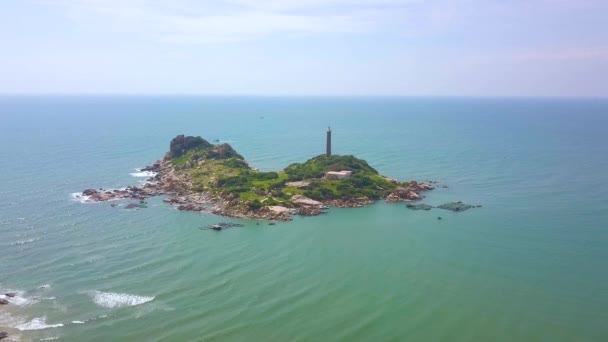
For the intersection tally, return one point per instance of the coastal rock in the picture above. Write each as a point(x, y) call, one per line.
point(310, 211)
point(279, 209)
point(3, 301)
point(351, 202)
point(409, 193)
point(419, 206)
point(456, 206)
point(3, 335)
point(89, 192)
point(305, 201)
point(190, 207)
point(11, 294)
point(153, 168)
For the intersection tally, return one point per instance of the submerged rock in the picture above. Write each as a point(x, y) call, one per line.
point(223, 225)
point(135, 206)
point(11, 294)
point(3, 301)
point(419, 206)
point(3, 335)
point(456, 206)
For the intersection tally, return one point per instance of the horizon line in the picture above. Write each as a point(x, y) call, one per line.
point(192, 95)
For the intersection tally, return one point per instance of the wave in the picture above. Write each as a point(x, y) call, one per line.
point(19, 298)
point(24, 242)
point(117, 300)
point(141, 173)
point(79, 197)
point(37, 323)
point(77, 322)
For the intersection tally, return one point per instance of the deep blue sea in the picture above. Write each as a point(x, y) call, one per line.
point(529, 265)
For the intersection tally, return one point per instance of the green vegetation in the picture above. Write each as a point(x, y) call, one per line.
point(318, 166)
point(221, 170)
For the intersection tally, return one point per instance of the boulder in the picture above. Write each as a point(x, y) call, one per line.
point(3, 335)
point(279, 209)
point(89, 192)
point(3, 301)
point(305, 201)
point(411, 195)
point(310, 211)
point(11, 294)
point(190, 207)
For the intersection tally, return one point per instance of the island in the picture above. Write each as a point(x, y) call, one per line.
point(196, 175)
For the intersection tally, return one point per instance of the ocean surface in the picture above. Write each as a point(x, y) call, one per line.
point(530, 265)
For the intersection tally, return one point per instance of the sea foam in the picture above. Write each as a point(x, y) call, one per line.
point(78, 196)
point(19, 298)
point(141, 173)
point(117, 300)
point(38, 323)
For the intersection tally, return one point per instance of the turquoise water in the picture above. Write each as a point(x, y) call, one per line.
point(530, 265)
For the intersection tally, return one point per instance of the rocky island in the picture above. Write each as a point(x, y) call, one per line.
point(196, 175)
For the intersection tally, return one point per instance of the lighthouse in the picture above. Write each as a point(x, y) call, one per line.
point(328, 145)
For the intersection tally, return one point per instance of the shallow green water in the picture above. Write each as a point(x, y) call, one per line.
point(529, 265)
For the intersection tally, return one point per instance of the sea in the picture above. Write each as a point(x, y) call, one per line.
point(531, 264)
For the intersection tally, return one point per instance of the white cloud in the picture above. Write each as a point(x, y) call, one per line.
point(229, 20)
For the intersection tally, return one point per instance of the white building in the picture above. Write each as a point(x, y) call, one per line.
point(338, 174)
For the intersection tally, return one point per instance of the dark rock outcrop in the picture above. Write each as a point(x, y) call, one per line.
point(135, 206)
point(89, 192)
point(419, 206)
point(456, 206)
point(3, 301)
point(11, 294)
point(3, 335)
point(223, 225)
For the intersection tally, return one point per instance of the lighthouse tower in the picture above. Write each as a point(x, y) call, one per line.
point(328, 146)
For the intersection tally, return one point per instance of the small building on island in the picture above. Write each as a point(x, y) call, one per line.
point(338, 174)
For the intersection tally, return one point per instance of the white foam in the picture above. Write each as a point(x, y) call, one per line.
point(79, 197)
point(141, 173)
point(49, 338)
point(77, 322)
point(37, 323)
point(117, 300)
point(10, 321)
point(23, 242)
point(19, 298)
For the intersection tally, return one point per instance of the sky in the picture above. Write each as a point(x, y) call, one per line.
point(305, 47)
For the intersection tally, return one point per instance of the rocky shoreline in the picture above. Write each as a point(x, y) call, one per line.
point(178, 189)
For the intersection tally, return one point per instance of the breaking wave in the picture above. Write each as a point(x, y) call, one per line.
point(117, 300)
point(141, 173)
point(38, 323)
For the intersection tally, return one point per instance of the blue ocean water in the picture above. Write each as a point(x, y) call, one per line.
point(529, 265)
